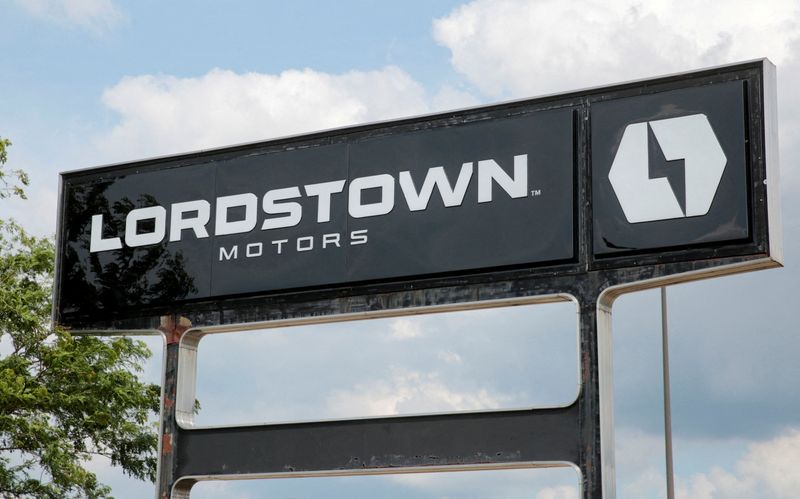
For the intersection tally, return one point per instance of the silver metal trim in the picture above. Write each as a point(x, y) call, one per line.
point(605, 373)
point(57, 261)
point(772, 159)
point(182, 487)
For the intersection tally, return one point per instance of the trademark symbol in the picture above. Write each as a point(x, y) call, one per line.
point(536, 192)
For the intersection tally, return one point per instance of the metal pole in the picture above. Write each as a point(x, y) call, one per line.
point(173, 327)
point(667, 404)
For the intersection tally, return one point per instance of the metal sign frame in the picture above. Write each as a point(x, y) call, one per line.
point(580, 434)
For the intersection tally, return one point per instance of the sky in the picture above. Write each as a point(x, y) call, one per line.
point(91, 82)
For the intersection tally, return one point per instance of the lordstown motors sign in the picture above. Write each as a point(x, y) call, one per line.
point(644, 176)
point(582, 195)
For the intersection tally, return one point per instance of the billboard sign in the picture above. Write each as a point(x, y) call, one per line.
point(366, 207)
point(642, 173)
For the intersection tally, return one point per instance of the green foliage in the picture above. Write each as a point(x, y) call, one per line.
point(7, 186)
point(63, 399)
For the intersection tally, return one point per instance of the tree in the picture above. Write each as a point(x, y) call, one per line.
point(7, 187)
point(63, 399)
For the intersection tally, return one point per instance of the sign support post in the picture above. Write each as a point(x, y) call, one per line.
point(667, 398)
point(172, 327)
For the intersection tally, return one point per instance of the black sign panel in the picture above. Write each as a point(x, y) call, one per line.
point(670, 169)
point(479, 195)
point(618, 179)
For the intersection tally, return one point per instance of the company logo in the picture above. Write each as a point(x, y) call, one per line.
point(279, 208)
point(667, 169)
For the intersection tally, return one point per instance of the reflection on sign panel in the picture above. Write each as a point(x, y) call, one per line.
point(363, 207)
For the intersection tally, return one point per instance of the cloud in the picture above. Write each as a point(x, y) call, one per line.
point(562, 492)
point(768, 469)
point(449, 357)
point(409, 392)
point(775, 463)
point(96, 16)
point(215, 489)
point(539, 483)
point(167, 114)
point(405, 329)
point(724, 469)
point(520, 48)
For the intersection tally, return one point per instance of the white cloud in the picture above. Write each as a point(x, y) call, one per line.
point(562, 492)
point(449, 97)
point(520, 48)
point(97, 16)
point(775, 464)
point(649, 483)
point(406, 329)
point(637, 452)
point(450, 357)
point(717, 484)
point(167, 114)
point(768, 469)
point(221, 488)
point(540, 483)
point(409, 392)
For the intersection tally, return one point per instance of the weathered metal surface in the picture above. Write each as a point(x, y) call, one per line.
point(509, 437)
point(173, 328)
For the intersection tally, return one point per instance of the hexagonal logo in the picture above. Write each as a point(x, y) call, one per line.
point(666, 169)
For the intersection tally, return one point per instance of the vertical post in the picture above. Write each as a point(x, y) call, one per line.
point(667, 403)
point(597, 439)
point(173, 328)
point(605, 392)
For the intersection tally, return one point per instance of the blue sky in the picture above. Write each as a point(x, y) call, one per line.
point(89, 82)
